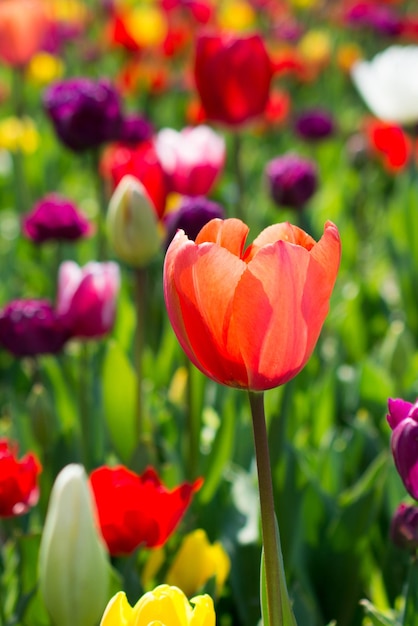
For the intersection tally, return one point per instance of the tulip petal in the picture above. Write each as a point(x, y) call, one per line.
point(404, 443)
point(118, 611)
point(279, 232)
point(203, 612)
point(230, 234)
point(200, 283)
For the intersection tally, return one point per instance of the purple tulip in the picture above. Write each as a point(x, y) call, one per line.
point(134, 129)
point(292, 180)
point(31, 327)
point(314, 125)
point(404, 527)
point(403, 419)
point(85, 113)
point(381, 20)
point(192, 214)
point(55, 218)
point(87, 297)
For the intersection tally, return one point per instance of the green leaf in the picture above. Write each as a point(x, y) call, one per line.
point(410, 616)
point(378, 618)
point(119, 396)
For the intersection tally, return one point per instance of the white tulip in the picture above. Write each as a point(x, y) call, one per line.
point(73, 564)
point(389, 84)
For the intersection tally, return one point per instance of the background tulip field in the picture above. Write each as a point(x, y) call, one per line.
point(92, 374)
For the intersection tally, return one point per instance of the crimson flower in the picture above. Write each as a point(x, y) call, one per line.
point(233, 75)
point(136, 510)
point(18, 480)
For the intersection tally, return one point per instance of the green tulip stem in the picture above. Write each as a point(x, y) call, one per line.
point(140, 301)
point(238, 174)
point(20, 186)
point(84, 405)
point(102, 203)
point(271, 542)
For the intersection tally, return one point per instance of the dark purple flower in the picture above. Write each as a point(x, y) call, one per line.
point(292, 180)
point(135, 129)
point(192, 214)
point(380, 19)
point(314, 125)
point(403, 419)
point(55, 218)
point(31, 327)
point(404, 527)
point(85, 113)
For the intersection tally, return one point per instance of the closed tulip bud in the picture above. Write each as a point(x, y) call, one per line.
point(73, 566)
point(403, 419)
point(132, 223)
point(404, 527)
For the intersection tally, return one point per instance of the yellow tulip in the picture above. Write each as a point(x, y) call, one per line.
point(165, 606)
point(316, 47)
point(236, 15)
point(147, 25)
point(19, 134)
point(44, 68)
point(196, 562)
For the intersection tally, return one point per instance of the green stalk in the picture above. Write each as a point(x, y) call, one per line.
point(140, 273)
point(279, 612)
point(238, 174)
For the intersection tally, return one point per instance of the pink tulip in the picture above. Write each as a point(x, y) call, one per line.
point(192, 158)
point(87, 297)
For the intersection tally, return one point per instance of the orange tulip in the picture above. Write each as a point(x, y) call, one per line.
point(23, 26)
point(250, 318)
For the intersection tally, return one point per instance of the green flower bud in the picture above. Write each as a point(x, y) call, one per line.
point(73, 564)
point(132, 223)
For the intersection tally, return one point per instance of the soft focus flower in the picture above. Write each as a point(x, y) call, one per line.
point(192, 159)
point(85, 113)
point(86, 301)
point(132, 223)
point(292, 180)
point(191, 215)
point(73, 564)
point(55, 218)
point(236, 15)
point(140, 161)
point(316, 48)
point(390, 142)
point(23, 25)
point(278, 107)
point(380, 19)
point(31, 327)
point(164, 605)
point(19, 489)
point(347, 55)
point(135, 128)
point(403, 420)
point(250, 318)
point(314, 124)
point(404, 527)
point(137, 510)
point(196, 562)
point(44, 68)
point(19, 134)
point(145, 24)
point(389, 84)
point(233, 75)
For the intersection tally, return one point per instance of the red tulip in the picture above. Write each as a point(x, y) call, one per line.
point(18, 480)
point(23, 27)
point(140, 161)
point(250, 318)
point(136, 510)
point(233, 75)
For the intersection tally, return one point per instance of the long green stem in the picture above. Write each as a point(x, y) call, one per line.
point(140, 299)
point(239, 175)
point(271, 543)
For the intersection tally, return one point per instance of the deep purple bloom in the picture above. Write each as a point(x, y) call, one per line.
point(404, 527)
point(192, 214)
point(55, 218)
point(85, 113)
point(292, 180)
point(403, 419)
point(31, 327)
point(380, 19)
point(134, 129)
point(314, 125)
